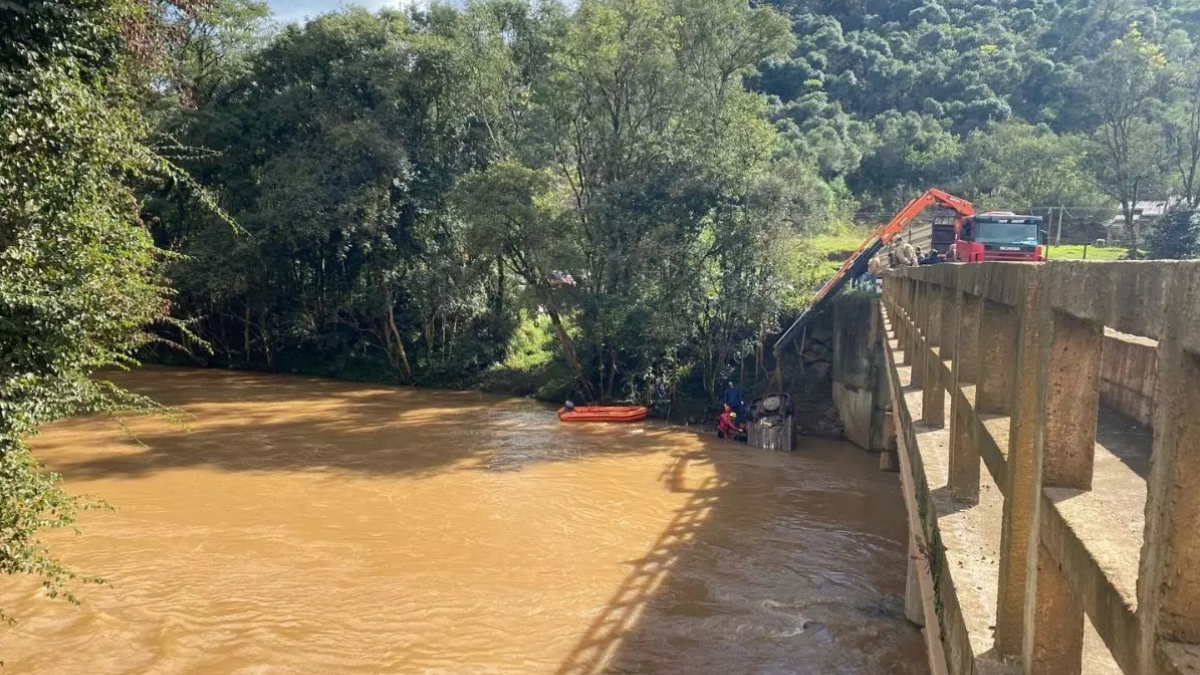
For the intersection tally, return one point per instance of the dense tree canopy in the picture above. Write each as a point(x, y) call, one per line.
point(925, 85)
point(409, 183)
point(80, 278)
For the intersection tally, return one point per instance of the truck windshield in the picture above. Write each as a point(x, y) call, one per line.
point(1022, 234)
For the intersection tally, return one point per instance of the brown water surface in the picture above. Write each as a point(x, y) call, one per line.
point(311, 526)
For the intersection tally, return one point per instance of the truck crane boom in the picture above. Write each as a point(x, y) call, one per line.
point(856, 264)
point(931, 197)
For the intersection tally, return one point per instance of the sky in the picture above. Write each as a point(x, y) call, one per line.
point(297, 10)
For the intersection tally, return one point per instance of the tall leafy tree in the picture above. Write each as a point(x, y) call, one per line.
point(1123, 90)
point(1181, 130)
point(80, 278)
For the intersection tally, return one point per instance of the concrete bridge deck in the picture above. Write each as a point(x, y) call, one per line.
point(1051, 533)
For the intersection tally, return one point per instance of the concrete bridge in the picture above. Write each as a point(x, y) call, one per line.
point(1053, 532)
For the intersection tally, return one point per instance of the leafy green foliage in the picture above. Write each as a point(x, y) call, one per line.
point(1176, 236)
point(80, 277)
point(895, 97)
point(409, 184)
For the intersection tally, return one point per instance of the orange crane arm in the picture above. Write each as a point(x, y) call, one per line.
point(901, 220)
point(914, 208)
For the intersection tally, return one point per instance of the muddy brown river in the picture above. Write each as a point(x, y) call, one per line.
point(305, 526)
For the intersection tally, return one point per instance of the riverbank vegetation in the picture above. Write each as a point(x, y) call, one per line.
point(414, 190)
point(583, 199)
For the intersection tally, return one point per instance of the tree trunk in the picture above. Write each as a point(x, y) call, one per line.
point(266, 340)
point(405, 369)
point(568, 347)
point(499, 286)
point(246, 335)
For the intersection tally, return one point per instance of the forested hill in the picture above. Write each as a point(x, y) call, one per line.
point(896, 95)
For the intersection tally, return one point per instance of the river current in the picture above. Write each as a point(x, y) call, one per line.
point(304, 526)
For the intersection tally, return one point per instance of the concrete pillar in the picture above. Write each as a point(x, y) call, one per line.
point(1071, 355)
point(950, 298)
point(933, 399)
point(1058, 620)
point(933, 315)
point(899, 324)
point(1065, 442)
point(914, 608)
point(1168, 580)
point(910, 339)
point(910, 328)
point(998, 334)
point(1009, 352)
point(964, 458)
point(964, 448)
point(919, 344)
point(966, 360)
point(933, 395)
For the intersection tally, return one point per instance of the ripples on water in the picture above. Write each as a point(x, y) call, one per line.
point(309, 526)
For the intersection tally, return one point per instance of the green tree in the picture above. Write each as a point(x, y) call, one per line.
point(80, 278)
point(1122, 90)
point(1181, 129)
point(1176, 236)
point(1016, 166)
point(214, 45)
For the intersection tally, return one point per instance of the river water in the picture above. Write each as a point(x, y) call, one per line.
point(310, 526)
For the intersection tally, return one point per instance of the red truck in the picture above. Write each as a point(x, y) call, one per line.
point(967, 236)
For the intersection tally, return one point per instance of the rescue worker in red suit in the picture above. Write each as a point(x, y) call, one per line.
point(727, 425)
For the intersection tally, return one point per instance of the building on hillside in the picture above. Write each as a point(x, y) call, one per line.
point(1144, 212)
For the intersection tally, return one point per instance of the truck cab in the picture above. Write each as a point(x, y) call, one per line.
point(999, 236)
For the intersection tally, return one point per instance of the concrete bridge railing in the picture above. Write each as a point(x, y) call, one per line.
point(1075, 554)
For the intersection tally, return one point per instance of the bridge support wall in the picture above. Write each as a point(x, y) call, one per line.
point(860, 389)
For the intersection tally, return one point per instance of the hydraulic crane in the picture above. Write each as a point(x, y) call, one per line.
point(856, 264)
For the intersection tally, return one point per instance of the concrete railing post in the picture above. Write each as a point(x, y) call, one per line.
point(1009, 335)
point(964, 451)
point(933, 399)
point(1168, 580)
point(1065, 442)
point(910, 329)
point(966, 360)
point(897, 308)
point(1071, 358)
point(949, 322)
point(998, 336)
point(1055, 645)
point(920, 343)
point(933, 314)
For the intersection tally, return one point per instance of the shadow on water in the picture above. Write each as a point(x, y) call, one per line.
point(775, 563)
point(763, 570)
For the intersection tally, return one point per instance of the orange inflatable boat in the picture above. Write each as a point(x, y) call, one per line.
point(603, 413)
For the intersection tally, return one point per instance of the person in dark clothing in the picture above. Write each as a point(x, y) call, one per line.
point(733, 398)
point(932, 258)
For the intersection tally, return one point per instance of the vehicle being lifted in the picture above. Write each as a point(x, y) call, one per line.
point(772, 422)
